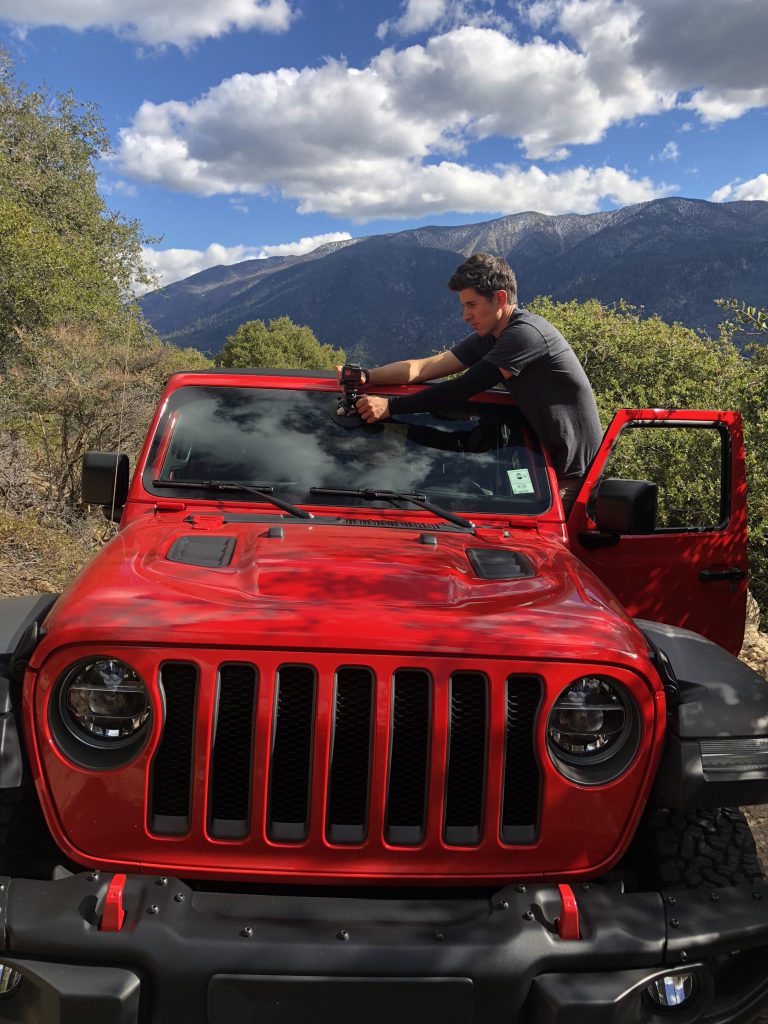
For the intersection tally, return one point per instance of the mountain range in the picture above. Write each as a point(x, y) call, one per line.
point(384, 297)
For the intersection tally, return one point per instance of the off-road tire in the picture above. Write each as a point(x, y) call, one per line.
point(698, 849)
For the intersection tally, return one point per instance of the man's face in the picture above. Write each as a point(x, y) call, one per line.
point(482, 314)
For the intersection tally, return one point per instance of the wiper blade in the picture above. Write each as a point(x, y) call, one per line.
point(418, 499)
point(228, 485)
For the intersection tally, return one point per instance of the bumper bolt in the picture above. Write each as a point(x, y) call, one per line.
point(502, 905)
point(520, 888)
point(683, 957)
point(674, 923)
point(715, 897)
point(153, 909)
point(246, 931)
point(671, 901)
point(439, 936)
point(94, 876)
point(528, 915)
point(179, 897)
point(757, 896)
point(585, 886)
point(343, 935)
point(161, 881)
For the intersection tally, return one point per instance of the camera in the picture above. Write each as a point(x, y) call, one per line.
point(353, 376)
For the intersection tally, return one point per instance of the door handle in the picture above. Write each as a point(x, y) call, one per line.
point(732, 573)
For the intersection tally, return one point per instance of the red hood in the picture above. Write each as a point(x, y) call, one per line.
point(341, 588)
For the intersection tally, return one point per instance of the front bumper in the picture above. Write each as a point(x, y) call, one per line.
point(232, 958)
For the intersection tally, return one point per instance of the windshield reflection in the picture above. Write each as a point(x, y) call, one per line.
point(478, 457)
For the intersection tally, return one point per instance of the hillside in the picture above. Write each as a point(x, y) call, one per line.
point(669, 256)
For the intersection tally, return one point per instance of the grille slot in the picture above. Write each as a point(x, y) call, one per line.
point(467, 742)
point(522, 777)
point(409, 758)
point(290, 769)
point(232, 755)
point(171, 801)
point(350, 769)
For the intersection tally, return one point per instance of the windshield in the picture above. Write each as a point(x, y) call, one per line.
point(478, 457)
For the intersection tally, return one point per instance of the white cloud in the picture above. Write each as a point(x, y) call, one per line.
point(153, 22)
point(671, 151)
point(169, 265)
point(421, 15)
point(342, 139)
point(370, 141)
point(755, 188)
point(304, 245)
point(712, 50)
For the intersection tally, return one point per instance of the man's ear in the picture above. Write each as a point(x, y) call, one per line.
point(501, 297)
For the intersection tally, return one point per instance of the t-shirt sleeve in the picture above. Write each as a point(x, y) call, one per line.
point(470, 350)
point(518, 347)
point(479, 378)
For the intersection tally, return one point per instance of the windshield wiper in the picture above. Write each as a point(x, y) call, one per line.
point(226, 485)
point(372, 495)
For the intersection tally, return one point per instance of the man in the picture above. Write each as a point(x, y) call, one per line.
point(509, 344)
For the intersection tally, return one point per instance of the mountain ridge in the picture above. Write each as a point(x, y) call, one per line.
point(383, 296)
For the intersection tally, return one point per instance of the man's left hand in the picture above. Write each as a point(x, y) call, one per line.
point(372, 408)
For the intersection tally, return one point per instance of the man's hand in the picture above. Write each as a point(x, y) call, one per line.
point(372, 408)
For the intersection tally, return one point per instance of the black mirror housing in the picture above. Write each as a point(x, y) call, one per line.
point(626, 506)
point(105, 479)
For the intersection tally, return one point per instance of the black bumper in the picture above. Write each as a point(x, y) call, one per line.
point(231, 958)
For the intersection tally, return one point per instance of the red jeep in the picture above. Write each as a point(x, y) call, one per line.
point(347, 721)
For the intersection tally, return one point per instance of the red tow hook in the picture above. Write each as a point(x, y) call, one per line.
point(114, 911)
point(568, 922)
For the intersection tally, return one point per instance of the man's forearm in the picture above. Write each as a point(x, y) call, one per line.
point(405, 371)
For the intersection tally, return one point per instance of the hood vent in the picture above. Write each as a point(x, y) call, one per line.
point(499, 564)
point(207, 552)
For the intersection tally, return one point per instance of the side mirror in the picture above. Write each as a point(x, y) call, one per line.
point(626, 506)
point(105, 479)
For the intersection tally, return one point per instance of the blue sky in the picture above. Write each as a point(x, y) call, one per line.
point(247, 128)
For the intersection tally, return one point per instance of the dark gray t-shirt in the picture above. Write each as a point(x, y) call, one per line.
point(548, 384)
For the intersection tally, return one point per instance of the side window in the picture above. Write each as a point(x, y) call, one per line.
point(688, 463)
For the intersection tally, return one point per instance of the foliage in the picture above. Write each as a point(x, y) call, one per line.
point(68, 392)
point(282, 345)
point(65, 259)
point(647, 363)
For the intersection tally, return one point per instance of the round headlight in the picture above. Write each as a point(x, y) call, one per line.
point(593, 723)
point(106, 699)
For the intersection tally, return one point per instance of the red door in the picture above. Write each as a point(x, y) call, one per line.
point(692, 570)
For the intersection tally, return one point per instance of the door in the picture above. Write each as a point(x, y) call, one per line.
point(691, 571)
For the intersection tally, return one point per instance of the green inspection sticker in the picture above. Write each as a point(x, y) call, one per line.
point(520, 481)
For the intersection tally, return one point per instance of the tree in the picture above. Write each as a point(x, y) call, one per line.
point(66, 393)
point(282, 345)
point(647, 363)
point(65, 259)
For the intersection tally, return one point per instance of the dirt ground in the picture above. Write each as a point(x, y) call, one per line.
point(755, 654)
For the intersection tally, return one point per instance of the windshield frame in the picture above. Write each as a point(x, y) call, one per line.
point(161, 433)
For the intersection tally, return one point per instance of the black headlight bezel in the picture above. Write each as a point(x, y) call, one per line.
point(90, 751)
point(601, 766)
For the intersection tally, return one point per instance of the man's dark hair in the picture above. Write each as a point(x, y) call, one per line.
point(487, 274)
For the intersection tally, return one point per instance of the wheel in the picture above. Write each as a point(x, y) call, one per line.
point(698, 849)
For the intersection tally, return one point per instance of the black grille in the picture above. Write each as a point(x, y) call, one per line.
point(350, 756)
point(522, 779)
point(292, 754)
point(172, 768)
point(409, 757)
point(232, 758)
point(467, 738)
